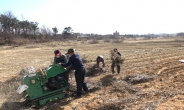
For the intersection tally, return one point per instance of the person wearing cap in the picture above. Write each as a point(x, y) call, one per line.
point(80, 71)
point(59, 58)
point(115, 60)
point(100, 59)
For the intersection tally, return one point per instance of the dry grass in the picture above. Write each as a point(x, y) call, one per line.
point(94, 41)
point(117, 41)
point(107, 40)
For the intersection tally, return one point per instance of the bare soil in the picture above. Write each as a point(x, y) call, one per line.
point(151, 76)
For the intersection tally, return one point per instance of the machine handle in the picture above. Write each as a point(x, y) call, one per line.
point(42, 72)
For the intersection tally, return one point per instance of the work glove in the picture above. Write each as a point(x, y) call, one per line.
point(60, 64)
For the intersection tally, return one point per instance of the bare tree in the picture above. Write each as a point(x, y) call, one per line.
point(55, 30)
point(15, 25)
point(67, 32)
point(45, 31)
point(8, 21)
point(0, 27)
point(25, 26)
point(5, 23)
point(34, 26)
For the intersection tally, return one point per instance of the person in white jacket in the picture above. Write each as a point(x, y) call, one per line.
point(100, 59)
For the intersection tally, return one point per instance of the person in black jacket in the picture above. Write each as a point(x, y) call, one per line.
point(80, 71)
point(115, 61)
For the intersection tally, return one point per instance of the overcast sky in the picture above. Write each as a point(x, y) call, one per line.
point(102, 16)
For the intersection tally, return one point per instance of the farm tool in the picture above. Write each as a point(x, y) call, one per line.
point(44, 85)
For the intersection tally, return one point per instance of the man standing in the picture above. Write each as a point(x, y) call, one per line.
point(80, 71)
point(116, 60)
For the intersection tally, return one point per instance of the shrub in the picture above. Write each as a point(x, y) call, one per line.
point(117, 40)
point(94, 41)
point(107, 40)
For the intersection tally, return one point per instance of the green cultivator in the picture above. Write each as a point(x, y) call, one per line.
point(44, 85)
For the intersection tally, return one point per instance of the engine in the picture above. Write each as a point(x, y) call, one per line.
point(56, 82)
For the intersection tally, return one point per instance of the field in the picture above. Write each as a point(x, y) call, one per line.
point(157, 60)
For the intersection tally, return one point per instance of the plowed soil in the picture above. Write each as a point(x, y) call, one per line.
point(157, 58)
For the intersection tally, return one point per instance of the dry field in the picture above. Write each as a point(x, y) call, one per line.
point(157, 60)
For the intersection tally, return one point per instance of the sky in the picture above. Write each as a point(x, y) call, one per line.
point(102, 16)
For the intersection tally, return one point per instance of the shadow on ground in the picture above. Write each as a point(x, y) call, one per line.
point(106, 81)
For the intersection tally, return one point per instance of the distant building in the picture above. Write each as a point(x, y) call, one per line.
point(108, 34)
point(116, 33)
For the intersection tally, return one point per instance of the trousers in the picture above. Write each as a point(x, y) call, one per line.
point(112, 67)
point(79, 77)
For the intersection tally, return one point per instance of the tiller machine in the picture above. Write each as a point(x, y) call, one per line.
point(44, 86)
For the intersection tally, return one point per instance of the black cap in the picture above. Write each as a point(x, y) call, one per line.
point(70, 51)
point(56, 51)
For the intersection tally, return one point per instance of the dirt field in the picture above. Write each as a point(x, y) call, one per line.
point(156, 58)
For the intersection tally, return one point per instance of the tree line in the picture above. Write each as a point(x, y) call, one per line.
point(11, 28)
